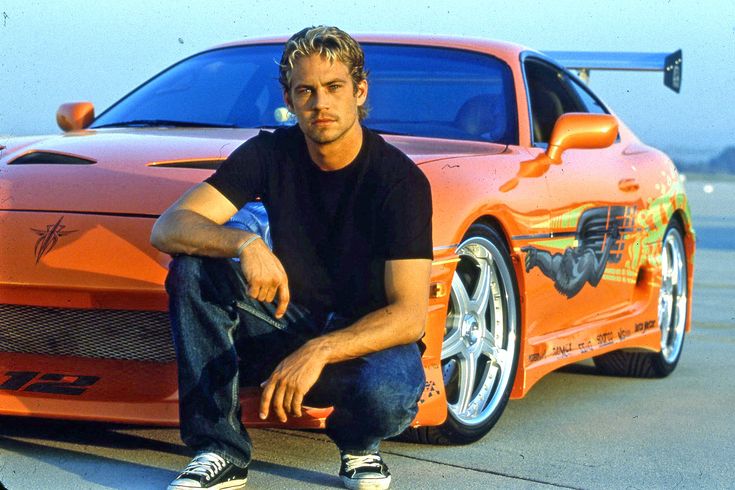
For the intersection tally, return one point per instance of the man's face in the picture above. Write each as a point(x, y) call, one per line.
point(324, 99)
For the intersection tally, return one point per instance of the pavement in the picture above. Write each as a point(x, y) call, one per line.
point(575, 429)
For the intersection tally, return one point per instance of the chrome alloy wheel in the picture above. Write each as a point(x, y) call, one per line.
point(479, 349)
point(672, 298)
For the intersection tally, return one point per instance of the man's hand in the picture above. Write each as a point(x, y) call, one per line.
point(265, 275)
point(290, 381)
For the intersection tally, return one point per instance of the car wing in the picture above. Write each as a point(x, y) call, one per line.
point(585, 61)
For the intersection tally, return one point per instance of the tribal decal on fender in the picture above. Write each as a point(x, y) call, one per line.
point(598, 237)
point(48, 238)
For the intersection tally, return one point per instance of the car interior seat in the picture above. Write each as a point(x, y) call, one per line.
point(546, 107)
point(480, 117)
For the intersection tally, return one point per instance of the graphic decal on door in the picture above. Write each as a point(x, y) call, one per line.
point(599, 242)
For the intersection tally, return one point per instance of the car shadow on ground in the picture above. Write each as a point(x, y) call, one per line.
point(580, 368)
point(95, 469)
point(38, 439)
point(93, 433)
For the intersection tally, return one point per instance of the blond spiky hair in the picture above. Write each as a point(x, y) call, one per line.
point(329, 42)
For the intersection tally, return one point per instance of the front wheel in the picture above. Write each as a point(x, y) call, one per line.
point(672, 317)
point(481, 340)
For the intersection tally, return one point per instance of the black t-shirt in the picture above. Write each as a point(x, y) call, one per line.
point(333, 230)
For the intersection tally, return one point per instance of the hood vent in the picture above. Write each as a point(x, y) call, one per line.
point(201, 163)
point(51, 158)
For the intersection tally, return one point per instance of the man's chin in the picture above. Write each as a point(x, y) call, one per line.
point(323, 137)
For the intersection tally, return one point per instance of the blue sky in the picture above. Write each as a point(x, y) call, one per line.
point(56, 52)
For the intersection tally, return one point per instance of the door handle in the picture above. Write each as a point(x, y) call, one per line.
point(628, 185)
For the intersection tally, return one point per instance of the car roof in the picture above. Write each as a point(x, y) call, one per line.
point(497, 48)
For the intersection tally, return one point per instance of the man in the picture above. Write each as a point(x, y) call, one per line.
point(331, 316)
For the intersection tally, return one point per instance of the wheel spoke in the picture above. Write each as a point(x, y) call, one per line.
point(461, 298)
point(481, 294)
point(675, 276)
point(467, 375)
point(488, 348)
point(680, 312)
point(664, 314)
point(484, 394)
point(498, 357)
point(665, 262)
point(453, 344)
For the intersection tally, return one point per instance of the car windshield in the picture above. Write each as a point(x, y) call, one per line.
point(414, 90)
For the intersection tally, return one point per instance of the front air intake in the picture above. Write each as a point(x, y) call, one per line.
point(50, 158)
point(103, 334)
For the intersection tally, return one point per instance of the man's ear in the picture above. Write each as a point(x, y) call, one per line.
point(361, 92)
point(287, 100)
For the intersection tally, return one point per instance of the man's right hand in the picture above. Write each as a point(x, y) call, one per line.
point(265, 275)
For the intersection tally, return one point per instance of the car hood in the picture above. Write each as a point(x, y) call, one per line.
point(141, 171)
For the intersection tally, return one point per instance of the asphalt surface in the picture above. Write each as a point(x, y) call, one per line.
point(575, 429)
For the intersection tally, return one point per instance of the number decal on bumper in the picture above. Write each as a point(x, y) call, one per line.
point(54, 383)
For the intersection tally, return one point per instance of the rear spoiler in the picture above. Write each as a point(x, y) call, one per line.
point(584, 61)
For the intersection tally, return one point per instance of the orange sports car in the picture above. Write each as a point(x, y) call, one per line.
point(558, 235)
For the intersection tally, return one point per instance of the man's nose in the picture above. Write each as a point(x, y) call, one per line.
point(321, 99)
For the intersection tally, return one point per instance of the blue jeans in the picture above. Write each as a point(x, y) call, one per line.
point(224, 339)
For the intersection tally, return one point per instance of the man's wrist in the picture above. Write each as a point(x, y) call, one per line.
point(321, 348)
point(245, 243)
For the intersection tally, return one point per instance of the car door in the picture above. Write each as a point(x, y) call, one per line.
point(590, 259)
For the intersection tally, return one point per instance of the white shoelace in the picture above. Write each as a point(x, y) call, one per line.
point(355, 461)
point(206, 464)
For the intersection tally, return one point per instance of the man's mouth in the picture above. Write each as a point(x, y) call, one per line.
point(323, 121)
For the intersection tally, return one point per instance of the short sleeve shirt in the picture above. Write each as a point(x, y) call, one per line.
point(333, 231)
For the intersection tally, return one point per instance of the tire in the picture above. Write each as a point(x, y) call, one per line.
point(672, 317)
point(481, 341)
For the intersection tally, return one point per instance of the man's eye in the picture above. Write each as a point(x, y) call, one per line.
point(334, 87)
point(303, 91)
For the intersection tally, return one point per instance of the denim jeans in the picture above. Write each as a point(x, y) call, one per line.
point(224, 339)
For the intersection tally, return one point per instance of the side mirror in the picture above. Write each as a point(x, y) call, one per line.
point(581, 131)
point(75, 115)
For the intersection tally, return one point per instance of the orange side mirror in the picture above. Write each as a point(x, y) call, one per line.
point(75, 115)
point(581, 131)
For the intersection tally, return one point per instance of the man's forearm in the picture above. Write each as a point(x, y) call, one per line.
point(381, 329)
point(186, 232)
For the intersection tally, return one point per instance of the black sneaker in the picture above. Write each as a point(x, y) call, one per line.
point(364, 472)
point(209, 470)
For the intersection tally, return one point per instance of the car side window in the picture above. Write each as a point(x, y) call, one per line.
point(551, 96)
point(591, 103)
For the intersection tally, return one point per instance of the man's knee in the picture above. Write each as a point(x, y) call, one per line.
point(392, 382)
point(182, 270)
point(207, 276)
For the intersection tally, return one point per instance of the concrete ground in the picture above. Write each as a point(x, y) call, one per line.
point(575, 429)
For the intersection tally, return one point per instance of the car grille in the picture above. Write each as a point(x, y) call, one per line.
point(107, 334)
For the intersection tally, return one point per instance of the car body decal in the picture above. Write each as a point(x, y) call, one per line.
point(598, 241)
point(48, 238)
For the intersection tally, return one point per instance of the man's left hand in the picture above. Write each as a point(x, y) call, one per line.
point(290, 381)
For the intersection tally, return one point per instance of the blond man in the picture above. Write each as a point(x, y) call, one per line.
point(331, 315)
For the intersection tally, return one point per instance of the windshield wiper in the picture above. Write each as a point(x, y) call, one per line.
point(151, 123)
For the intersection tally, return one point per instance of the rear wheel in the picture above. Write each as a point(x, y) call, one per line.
point(672, 317)
point(481, 340)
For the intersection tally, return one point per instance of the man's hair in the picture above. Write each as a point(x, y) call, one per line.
point(333, 44)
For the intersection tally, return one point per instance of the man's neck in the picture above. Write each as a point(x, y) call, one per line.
point(339, 153)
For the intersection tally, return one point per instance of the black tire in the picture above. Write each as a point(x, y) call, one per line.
point(672, 317)
point(494, 376)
